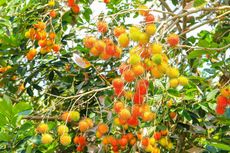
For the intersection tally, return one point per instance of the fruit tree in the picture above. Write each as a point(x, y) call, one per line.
point(116, 76)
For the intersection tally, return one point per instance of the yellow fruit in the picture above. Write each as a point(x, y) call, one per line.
point(172, 72)
point(156, 150)
point(174, 83)
point(156, 73)
point(162, 67)
point(90, 122)
point(83, 126)
point(225, 91)
point(170, 146)
point(65, 140)
point(125, 114)
point(116, 121)
point(62, 129)
point(149, 148)
point(138, 69)
point(134, 59)
point(152, 141)
point(163, 141)
point(150, 29)
point(156, 48)
point(123, 40)
point(46, 138)
point(51, 3)
point(27, 34)
point(143, 10)
point(134, 33)
point(42, 128)
point(170, 103)
point(143, 38)
point(183, 80)
point(98, 134)
point(74, 115)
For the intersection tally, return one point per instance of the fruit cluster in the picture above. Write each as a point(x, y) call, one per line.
point(4, 69)
point(45, 40)
point(223, 100)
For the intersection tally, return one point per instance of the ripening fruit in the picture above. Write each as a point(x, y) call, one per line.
point(162, 67)
point(56, 48)
point(143, 10)
point(183, 80)
point(156, 48)
point(42, 128)
point(173, 39)
point(52, 35)
point(118, 31)
point(172, 115)
point(110, 49)
point(222, 101)
point(123, 141)
point(145, 141)
point(129, 76)
point(118, 83)
point(62, 129)
point(174, 82)
point(103, 128)
point(134, 33)
point(94, 51)
point(152, 141)
point(138, 98)
point(123, 67)
point(31, 54)
point(157, 59)
point(65, 140)
point(150, 29)
point(143, 38)
point(220, 110)
point(100, 45)
point(118, 106)
point(148, 116)
point(89, 41)
point(164, 132)
point(75, 8)
point(42, 43)
point(133, 121)
point(106, 1)
point(74, 115)
point(157, 135)
point(116, 121)
point(66, 117)
point(134, 59)
point(71, 3)
point(90, 122)
point(46, 138)
point(53, 14)
point(225, 92)
point(156, 73)
point(83, 126)
point(102, 26)
point(149, 148)
point(133, 141)
point(149, 18)
point(172, 72)
point(163, 141)
point(118, 52)
point(125, 114)
point(170, 103)
point(138, 69)
point(123, 40)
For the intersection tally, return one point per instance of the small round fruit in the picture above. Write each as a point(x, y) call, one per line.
point(53, 14)
point(118, 83)
point(74, 115)
point(83, 126)
point(118, 106)
point(89, 41)
point(106, 1)
point(134, 33)
point(66, 117)
point(125, 114)
point(183, 80)
point(143, 38)
point(62, 129)
point(174, 82)
point(172, 115)
point(149, 19)
point(173, 40)
point(138, 69)
point(150, 29)
point(75, 8)
point(157, 135)
point(31, 54)
point(143, 10)
point(156, 48)
point(90, 122)
point(46, 139)
point(42, 128)
point(145, 141)
point(134, 59)
point(103, 128)
point(65, 140)
point(157, 59)
point(129, 76)
point(172, 72)
point(123, 40)
point(123, 141)
point(56, 48)
point(118, 31)
point(102, 26)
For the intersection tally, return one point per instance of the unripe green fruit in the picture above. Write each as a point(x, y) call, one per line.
point(134, 59)
point(157, 59)
point(74, 115)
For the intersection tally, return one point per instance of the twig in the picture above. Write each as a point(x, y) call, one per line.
point(41, 118)
point(203, 48)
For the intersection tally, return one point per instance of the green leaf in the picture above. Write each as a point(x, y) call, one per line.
point(3, 120)
point(20, 107)
point(174, 92)
point(198, 3)
point(198, 53)
point(4, 137)
point(219, 146)
point(186, 115)
point(211, 95)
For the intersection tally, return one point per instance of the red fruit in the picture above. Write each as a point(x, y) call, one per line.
point(220, 110)
point(56, 48)
point(42, 43)
point(173, 39)
point(157, 135)
point(138, 98)
point(142, 87)
point(118, 31)
point(53, 14)
point(149, 18)
point(222, 101)
point(133, 121)
point(115, 148)
point(118, 91)
point(136, 111)
point(102, 27)
point(123, 141)
point(89, 41)
point(71, 3)
point(80, 148)
point(113, 141)
point(172, 115)
point(124, 114)
point(66, 117)
point(118, 106)
point(128, 75)
point(118, 83)
point(110, 49)
point(145, 142)
point(103, 128)
point(123, 67)
point(75, 8)
point(106, 1)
